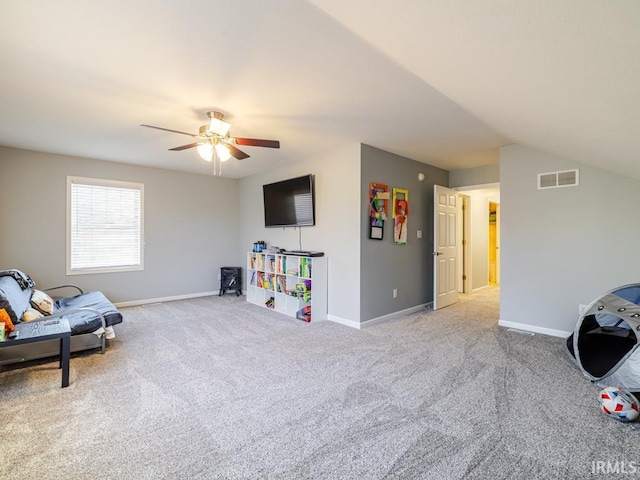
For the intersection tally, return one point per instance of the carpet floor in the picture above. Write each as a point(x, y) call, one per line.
point(216, 388)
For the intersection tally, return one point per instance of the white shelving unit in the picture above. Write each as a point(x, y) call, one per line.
point(288, 283)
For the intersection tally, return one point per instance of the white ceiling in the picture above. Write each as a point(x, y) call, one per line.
point(445, 82)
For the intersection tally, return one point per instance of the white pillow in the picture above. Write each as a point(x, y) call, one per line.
point(42, 302)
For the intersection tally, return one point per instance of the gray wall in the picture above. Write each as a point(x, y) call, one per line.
point(191, 225)
point(384, 265)
point(565, 246)
point(474, 176)
point(337, 181)
point(195, 224)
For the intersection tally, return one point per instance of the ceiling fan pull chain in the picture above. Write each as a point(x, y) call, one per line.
point(217, 164)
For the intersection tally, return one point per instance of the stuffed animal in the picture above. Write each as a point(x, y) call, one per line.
point(6, 319)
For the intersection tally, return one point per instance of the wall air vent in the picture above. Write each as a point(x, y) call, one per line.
point(565, 178)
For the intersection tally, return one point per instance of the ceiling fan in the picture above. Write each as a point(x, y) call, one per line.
point(214, 142)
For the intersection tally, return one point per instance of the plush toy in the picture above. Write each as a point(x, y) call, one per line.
point(304, 314)
point(31, 314)
point(6, 319)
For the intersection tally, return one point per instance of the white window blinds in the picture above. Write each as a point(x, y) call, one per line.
point(105, 225)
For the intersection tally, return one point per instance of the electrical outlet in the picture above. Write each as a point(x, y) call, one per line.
point(395, 293)
point(419, 233)
point(581, 308)
point(219, 276)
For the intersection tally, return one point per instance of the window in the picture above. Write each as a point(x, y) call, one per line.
point(104, 226)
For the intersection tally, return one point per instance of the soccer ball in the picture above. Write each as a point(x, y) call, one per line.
point(619, 404)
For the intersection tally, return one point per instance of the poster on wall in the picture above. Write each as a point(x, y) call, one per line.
point(400, 214)
point(378, 207)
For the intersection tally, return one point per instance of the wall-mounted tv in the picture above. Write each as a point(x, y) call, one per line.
point(290, 203)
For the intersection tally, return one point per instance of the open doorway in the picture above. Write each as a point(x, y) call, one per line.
point(479, 229)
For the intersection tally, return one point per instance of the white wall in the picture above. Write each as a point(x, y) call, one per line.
point(474, 176)
point(337, 229)
point(191, 225)
point(479, 239)
point(565, 246)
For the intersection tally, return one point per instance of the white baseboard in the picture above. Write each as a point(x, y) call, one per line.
point(343, 321)
point(479, 288)
point(134, 303)
point(532, 328)
point(383, 318)
point(395, 315)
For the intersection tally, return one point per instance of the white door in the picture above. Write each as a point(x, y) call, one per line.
point(445, 256)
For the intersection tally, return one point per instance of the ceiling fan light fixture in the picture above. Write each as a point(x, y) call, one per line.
point(205, 150)
point(219, 127)
point(223, 152)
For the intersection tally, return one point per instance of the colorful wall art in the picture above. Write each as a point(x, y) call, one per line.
point(378, 208)
point(400, 213)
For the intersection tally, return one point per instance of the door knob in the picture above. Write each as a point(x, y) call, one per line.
point(435, 254)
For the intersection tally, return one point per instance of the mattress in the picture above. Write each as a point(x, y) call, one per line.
point(86, 321)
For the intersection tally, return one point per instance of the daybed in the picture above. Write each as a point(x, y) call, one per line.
point(91, 316)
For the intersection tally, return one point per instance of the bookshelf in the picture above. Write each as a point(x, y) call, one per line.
point(288, 284)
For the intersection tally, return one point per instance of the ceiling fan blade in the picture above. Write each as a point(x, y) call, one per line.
point(169, 130)
point(254, 142)
point(184, 147)
point(236, 152)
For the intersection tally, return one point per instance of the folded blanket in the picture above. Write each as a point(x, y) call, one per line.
point(22, 278)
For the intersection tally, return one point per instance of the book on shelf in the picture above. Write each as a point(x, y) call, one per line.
point(305, 267)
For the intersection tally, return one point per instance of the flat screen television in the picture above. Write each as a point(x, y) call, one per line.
point(289, 203)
